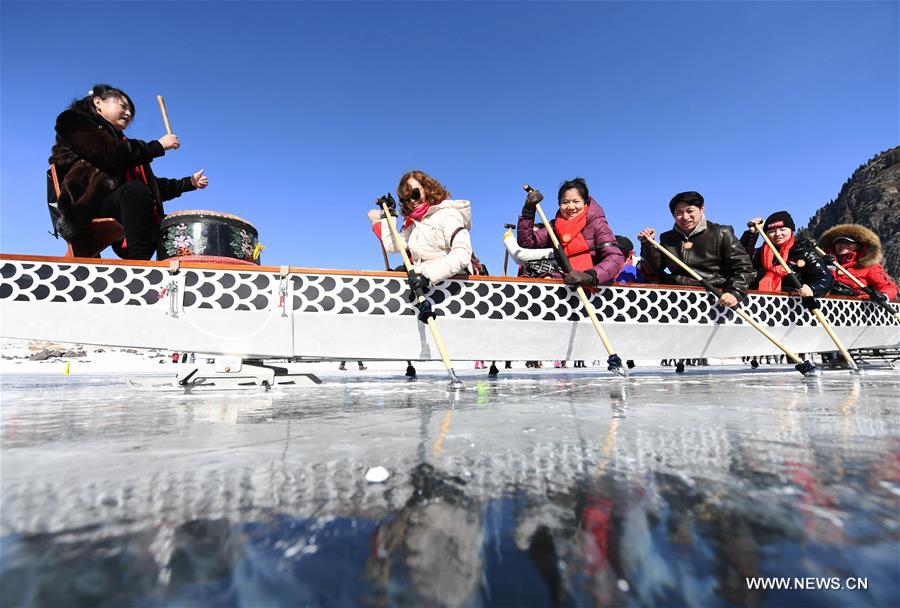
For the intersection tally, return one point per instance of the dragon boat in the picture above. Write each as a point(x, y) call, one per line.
point(266, 312)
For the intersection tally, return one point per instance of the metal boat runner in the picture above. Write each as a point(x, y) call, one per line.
point(290, 312)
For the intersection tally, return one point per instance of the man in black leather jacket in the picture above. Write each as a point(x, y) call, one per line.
point(712, 250)
point(799, 253)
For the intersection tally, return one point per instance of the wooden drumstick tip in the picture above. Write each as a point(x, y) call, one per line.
point(165, 115)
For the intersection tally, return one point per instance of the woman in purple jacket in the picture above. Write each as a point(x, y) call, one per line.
point(581, 227)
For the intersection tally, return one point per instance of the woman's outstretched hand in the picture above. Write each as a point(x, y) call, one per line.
point(170, 142)
point(199, 180)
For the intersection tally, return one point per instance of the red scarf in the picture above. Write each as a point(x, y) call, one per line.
point(771, 280)
point(848, 260)
point(138, 174)
point(573, 242)
point(417, 215)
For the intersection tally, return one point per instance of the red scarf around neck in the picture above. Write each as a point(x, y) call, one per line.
point(418, 214)
point(572, 240)
point(771, 280)
point(848, 260)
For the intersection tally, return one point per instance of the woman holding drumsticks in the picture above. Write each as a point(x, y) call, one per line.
point(102, 173)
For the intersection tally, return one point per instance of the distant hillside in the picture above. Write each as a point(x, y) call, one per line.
point(871, 197)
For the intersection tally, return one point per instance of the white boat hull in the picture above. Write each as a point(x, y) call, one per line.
point(327, 314)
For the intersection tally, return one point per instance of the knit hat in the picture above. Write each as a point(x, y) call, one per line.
point(625, 244)
point(779, 219)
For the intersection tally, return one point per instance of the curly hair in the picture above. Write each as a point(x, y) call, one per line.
point(435, 192)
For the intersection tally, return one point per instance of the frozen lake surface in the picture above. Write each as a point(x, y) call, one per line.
point(544, 488)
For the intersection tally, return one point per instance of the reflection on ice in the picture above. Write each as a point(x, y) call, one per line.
point(525, 490)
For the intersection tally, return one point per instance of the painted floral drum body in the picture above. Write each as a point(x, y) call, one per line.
point(208, 236)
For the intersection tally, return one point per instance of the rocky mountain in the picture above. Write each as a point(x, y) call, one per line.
point(871, 197)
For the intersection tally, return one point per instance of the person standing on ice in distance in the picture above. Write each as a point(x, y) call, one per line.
point(711, 250)
point(583, 233)
point(102, 173)
point(800, 254)
point(435, 228)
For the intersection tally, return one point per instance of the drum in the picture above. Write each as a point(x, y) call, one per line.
point(207, 236)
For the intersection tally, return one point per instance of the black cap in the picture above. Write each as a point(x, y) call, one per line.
point(779, 219)
point(625, 244)
point(843, 238)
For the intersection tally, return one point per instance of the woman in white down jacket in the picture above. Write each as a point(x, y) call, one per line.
point(435, 228)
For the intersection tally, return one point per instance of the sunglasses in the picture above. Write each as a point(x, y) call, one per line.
point(415, 195)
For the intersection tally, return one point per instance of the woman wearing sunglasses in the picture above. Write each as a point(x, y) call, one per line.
point(583, 232)
point(435, 228)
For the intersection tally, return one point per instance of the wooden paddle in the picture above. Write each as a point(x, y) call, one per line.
point(162, 108)
point(455, 383)
point(613, 362)
point(807, 368)
point(410, 370)
point(810, 302)
point(887, 308)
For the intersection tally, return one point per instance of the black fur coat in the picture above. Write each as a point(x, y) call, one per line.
point(91, 159)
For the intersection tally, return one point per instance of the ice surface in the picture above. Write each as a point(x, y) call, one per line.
point(542, 487)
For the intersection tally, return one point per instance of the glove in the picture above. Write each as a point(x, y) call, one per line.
point(531, 200)
point(809, 303)
point(791, 282)
point(418, 283)
point(875, 296)
point(577, 277)
point(425, 311)
point(388, 200)
point(839, 289)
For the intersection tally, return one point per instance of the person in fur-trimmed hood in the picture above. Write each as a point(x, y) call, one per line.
point(800, 254)
point(102, 173)
point(435, 229)
point(858, 249)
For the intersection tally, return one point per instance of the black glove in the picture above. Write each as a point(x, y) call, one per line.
point(840, 289)
point(425, 311)
point(791, 282)
point(418, 283)
point(577, 277)
point(874, 295)
point(531, 200)
point(809, 303)
point(388, 200)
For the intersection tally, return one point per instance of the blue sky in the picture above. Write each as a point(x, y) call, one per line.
point(303, 113)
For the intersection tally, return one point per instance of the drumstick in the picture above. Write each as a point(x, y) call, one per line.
point(162, 108)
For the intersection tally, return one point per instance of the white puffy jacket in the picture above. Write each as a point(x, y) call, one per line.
point(440, 245)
